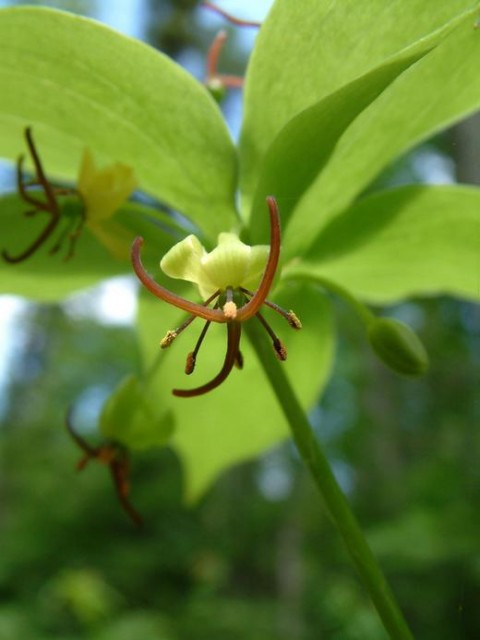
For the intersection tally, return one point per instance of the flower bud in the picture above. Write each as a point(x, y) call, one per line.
point(398, 346)
point(217, 89)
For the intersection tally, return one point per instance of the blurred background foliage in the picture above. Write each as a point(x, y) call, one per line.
point(257, 558)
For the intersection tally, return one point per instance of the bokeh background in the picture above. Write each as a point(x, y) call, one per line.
point(256, 558)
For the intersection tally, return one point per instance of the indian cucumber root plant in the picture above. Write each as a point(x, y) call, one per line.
point(269, 231)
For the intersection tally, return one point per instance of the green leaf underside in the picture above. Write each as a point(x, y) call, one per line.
point(437, 91)
point(416, 240)
point(131, 417)
point(305, 144)
point(328, 46)
point(46, 277)
point(241, 418)
point(78, 83)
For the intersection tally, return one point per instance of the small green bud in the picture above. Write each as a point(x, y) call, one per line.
point(217, 89)
point(398, 346)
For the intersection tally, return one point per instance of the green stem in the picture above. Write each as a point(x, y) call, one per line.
point(301, 275)
point(337, 505)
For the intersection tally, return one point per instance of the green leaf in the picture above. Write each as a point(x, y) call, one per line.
point(314, 47)
point(305, 144)
point(416, 240)
point(437, 91)
point(77, 83)
point(47, 277)
point(241, 418)
point(131, 418)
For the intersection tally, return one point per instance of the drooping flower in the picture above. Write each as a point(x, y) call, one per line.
point(115, 456)
point(217, 83)
point(225, 277)
point(101, 191)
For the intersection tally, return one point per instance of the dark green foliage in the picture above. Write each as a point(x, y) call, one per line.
point(239, 564)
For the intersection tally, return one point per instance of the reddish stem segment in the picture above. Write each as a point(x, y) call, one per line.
point(214, 53)
point(198, 310)
point(228, 16)
point(252, 307)
point(225, 80)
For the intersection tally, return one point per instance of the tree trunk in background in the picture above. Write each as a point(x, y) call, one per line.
point(466, 150)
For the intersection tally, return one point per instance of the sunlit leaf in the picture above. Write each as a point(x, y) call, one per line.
point(439, 90)
point(305, 144)
point(416, 240)
point(78, 84)
point(310, 49)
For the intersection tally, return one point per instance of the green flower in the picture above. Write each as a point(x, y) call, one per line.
point(231, 263)
point(101, 192)
point(223, 276)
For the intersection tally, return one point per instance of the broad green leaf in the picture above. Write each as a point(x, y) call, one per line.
point(308, 50)
point(303, 147)
point(241, 418)
point(46, 277)
point(416, 240)
point(80, 84)
point(437, 91)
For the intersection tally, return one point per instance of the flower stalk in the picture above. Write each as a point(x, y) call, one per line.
point(334, 499)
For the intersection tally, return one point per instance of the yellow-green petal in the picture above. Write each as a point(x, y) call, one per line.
point(184, 262)
point(256, 267)
point(233, 263)
point(103, 190)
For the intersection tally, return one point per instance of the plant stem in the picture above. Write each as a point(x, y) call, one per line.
point(303, 275)
point(336, 503)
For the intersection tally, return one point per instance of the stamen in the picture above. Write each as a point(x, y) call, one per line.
point(72, 233)
point(290, 316)
point(171, 335)
point(294, 320)
point(278, 346)
point(190, 364)
point(233, 340)
point(239, 360)
point(168, 339)
point(192, 356)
